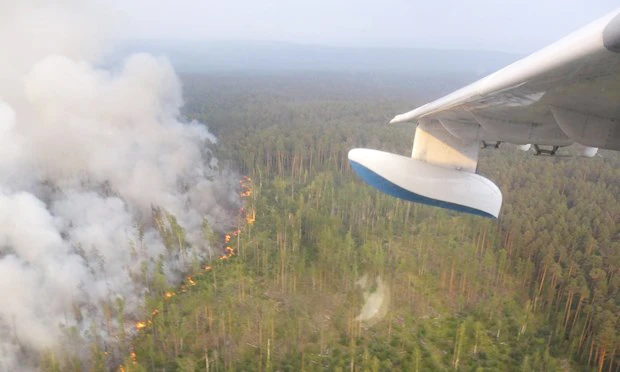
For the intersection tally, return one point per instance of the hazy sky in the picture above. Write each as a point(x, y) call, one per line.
point(508, 25)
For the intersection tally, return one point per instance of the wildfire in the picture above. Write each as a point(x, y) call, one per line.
point(191, 281)
point(249, 216)
point(229, 253)
point(169, 294)
point(246, 187)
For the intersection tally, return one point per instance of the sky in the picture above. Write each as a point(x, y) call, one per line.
point(504, 25)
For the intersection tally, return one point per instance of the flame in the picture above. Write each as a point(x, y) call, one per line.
point(121, 368)
point(250, 217)
point(191, 281)
point(246, 188)
point(169, 294)
point(140, 325)
point(134, 357)
point(155, 312)
point(229, 253)
point(208, 268)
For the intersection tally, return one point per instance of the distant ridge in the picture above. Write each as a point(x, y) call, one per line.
point(209, 56)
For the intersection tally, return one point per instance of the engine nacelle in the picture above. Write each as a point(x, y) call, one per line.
point(422, 182)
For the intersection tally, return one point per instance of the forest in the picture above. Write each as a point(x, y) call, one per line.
point(536, 290)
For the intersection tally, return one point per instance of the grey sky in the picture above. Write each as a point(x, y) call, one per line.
point(507, 25)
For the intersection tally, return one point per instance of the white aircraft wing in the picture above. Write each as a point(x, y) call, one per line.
point(568, 92)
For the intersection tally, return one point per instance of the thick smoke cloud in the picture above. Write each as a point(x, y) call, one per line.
point(85, 154)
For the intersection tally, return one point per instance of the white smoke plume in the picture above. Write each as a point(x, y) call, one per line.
point(85, 154)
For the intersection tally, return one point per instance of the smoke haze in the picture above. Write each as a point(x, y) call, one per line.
point(85, 154)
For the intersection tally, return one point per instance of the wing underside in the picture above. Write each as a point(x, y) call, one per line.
point(566, 93)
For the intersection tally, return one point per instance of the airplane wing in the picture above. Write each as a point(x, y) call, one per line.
point(568, 92)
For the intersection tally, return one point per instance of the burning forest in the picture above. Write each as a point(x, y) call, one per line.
point(246, 218)
point(105, 191)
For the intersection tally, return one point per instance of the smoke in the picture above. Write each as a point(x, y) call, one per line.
point(86, 155)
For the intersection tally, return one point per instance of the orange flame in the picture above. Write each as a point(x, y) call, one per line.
point(227, 238)
point(155, 312)
point(169, 294)
point(191, 281)
point(245, 186)
point(250, 217)
point(229, 253)
point(208, 268)
point(140, 325)
point(134, 357)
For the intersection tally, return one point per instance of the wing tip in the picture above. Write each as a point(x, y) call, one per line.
point(399, 119)
point(394, 120)
point(409, 116)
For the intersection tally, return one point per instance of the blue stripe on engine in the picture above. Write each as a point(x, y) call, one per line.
point(382, 184)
